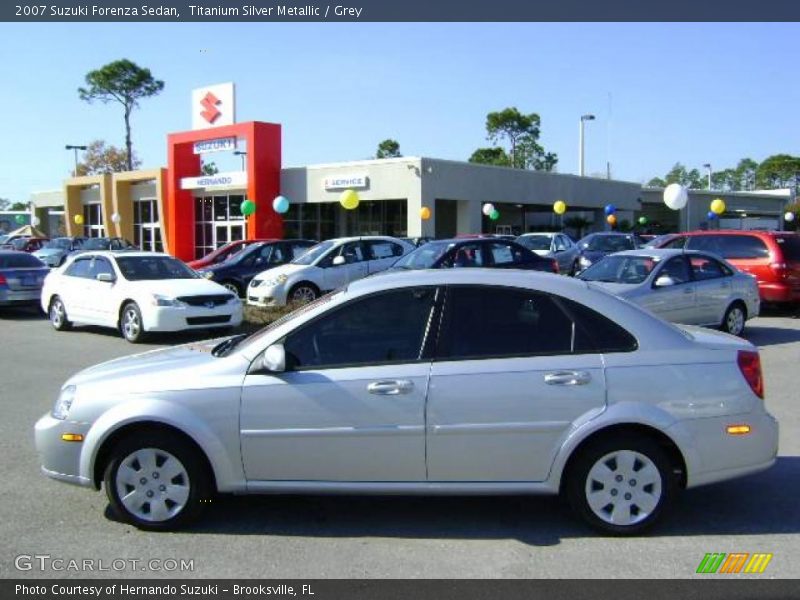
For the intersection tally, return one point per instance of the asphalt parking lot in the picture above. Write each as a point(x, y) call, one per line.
point(386, 537)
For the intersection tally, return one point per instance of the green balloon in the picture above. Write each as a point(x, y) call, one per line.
point(248, 207)
point(642, 220)
point(20, 219)
point(494, 215)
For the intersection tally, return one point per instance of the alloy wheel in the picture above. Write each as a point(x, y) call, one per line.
point(734, 320)
point(303, 294)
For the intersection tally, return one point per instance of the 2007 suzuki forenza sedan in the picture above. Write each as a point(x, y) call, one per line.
point(444, 381)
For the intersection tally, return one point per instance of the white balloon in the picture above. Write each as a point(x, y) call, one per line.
point(675, 196)
point(36, 220)
point(115, 218)
point(488, 208)
point(788, 217)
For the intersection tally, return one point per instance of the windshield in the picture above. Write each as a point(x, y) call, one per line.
point(96, 244)
point(790, 244)
point(145, 268)
point(19, 243)
point(620, 269)
point(314, 253)
point(60, 243)
point(609, 243)
point(535, 242)
point(423, 257)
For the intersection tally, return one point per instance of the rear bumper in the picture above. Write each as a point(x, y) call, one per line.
point(778, 292)
point(19, 297)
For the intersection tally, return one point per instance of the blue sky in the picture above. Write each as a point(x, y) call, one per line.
point(693, 93)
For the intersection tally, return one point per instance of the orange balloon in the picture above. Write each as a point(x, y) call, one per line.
point(425, 213)
point(611, 220)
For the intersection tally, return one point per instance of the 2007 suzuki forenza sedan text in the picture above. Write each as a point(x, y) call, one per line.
point(443, 381)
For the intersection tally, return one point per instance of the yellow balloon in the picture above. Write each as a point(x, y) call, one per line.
point(349, 199)
point(425, 213)
point(78, 219)
point(611, 220)
point(718, 206)
point(559, 207)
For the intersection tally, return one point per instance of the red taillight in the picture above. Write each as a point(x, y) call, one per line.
point(780, 269)
point(2, 279)
point(555, 267)
point(750, 366)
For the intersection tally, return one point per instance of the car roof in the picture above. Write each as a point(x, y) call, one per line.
point(118, 253)
point(755, 232)
point(659, 252)
point(355, 238)
point(550, 233)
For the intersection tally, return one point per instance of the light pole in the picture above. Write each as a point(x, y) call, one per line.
point(584, 118)
point(710, 172)
point(241, 153)
point(75, 148)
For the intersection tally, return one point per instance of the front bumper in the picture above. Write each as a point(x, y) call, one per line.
point(720, 456)
point(59, 459)
point(265, 296)
point(168, 318)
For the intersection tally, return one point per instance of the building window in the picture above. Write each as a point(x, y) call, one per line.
point(146, 226)
point(93, 220)
point(218, 220)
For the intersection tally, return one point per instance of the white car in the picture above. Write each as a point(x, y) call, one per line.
point(440, 381)
point(682, 286)
point(136, 292)
point(325, 267)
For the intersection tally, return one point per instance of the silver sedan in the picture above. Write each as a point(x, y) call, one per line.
point(442, 381)
point(690, 287)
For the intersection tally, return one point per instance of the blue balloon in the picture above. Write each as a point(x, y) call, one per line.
point(610, 209)
point(280, 204)
point(711, 215)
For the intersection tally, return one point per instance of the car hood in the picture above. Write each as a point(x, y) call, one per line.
point(593, 255)
point(139, 369)
point(178, 287)
point(287, 270)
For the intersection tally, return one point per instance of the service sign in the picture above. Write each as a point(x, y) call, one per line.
point(233, 179)
point(218, 145)
point(344, 182)
point(213, 106)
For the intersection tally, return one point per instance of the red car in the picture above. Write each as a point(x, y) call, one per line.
point(772, 257)
point(223, 253)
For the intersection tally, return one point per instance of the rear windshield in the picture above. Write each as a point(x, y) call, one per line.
point(790, 245)
point(19, 261)
point(730, 246)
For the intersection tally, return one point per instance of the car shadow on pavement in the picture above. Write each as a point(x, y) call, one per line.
point(765, 503)
point(770, 336)
point(21, 313)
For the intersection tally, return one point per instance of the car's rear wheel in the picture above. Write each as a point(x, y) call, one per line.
point(58, 315)
point(621, 485)
point(131, 324)
point(156, 482)
point(734, 319)
point(303, 292)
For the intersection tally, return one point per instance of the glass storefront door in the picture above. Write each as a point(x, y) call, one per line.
point(218, 220)
point(93, 220)
point(146, 228)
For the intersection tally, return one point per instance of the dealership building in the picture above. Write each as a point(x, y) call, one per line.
point(179, 210)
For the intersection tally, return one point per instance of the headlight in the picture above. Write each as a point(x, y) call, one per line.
point(255, 283)
point(64, 402)
point(585, 262)
point(277, 280)
point(207, 274)
point(159, 300)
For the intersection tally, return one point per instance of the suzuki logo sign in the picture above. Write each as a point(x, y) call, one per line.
point(213, 106)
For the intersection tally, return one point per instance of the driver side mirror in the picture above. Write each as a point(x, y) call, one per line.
point(106, 277)
point(339, 261)
point(274, 359)
point(664, 281)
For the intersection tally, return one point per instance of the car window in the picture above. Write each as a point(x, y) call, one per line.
point(299, 250)
point(610, 243)
point(730, 246)
point(561, 243)
point(505, 254)
point(79, 268)
point(510, 322)
point(620, 269)
point(280, 255)
point(678, 242)
point(705, 267)
point(384, 249)
point(595, 332)
point(100, 265)
point(676, 269)
point(790, 246)
point(353, 252)
point(383, 328)
point(465, 255)
point(535, 242)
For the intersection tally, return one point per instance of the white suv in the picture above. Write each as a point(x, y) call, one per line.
point(327, 266)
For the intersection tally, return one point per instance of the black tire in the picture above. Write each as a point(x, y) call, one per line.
point(135, 495)
point(302, 292)
point(233, 287)
point(735, 318)
point(574, 270)
point(640, 502)
point(57, 314)
point(131, 325)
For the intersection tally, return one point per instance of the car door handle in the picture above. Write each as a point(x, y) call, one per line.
point(567, 378)
point(390, 387)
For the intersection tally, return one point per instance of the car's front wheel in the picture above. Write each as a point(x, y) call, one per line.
point(58, 315)
point(131, 323)
point(303, 292)
point(621, 485)
point(155, 481)
point(734, 319)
